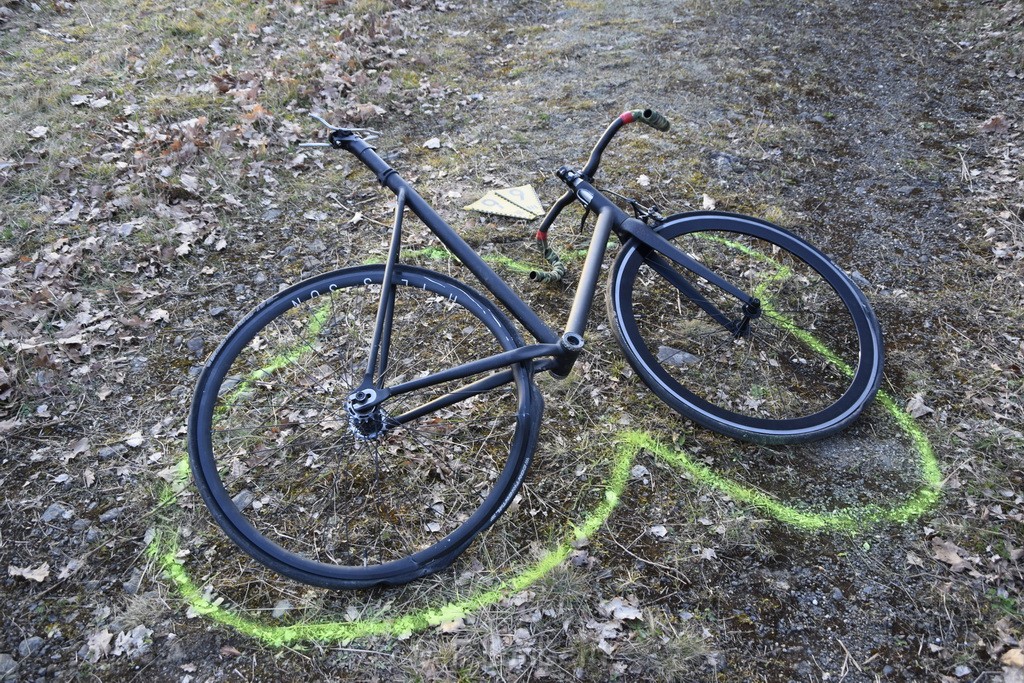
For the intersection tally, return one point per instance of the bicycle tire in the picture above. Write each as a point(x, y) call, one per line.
point(296, 486)
point(807, 367)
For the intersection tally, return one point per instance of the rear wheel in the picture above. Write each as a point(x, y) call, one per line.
point(802, 366)
point(332, 496)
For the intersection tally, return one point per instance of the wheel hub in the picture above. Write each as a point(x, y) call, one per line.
point(365, 420)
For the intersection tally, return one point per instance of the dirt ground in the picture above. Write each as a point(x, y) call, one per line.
point(153, 192)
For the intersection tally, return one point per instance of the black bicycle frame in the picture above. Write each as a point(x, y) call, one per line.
point(559, 353)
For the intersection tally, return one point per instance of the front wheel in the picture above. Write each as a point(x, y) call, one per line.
point(798, 367)
point(332, 497)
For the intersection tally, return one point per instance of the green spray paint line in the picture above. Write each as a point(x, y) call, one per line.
point(164, 548)
point(850, 519)
point(299, 349)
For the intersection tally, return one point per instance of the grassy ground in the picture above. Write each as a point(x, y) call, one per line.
point(153, 192)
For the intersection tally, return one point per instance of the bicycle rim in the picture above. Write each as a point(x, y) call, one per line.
point(804, 369)
point(293, 482)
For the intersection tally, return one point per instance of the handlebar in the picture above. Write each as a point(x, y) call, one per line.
point(649, 117)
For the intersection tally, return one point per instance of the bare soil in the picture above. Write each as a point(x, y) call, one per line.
point(166, 197)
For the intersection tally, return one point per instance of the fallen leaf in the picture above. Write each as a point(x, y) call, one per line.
point(72, 567)
point(658, 530)
point(1014, 657)
point(433, 143)
point(38, 132)
point(709, 203)
point(916, 407)
point(38, 574)
point(79, 447)
point(99, 645)
point(71, 215)
point(135, 440)
point(949, 553)
point(133, 643)
point(453, 626)
point(914, 561)
point(618, 608)
point(995, 124)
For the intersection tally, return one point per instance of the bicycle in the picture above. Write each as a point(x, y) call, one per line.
point(362, 427)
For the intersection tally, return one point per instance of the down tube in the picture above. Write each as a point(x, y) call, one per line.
point(584, 298)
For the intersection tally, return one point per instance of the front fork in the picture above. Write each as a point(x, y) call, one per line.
point(660, 252)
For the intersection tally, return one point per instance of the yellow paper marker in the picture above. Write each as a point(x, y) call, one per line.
point(513, 202)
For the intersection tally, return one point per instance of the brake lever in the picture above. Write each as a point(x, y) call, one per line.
point(366, 134)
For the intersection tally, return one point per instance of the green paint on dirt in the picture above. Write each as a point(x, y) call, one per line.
point(849, 519)
point(164, 548)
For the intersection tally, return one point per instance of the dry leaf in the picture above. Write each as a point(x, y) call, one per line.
point(133, 643)
point(916, 407)
point(99, 645)
point(949, 553)
point(72, 567)
point(618, 608)
point(995, 124)
point(1014, 657)
point(433, 143)
point(452, 626)
point(709, 203)
point(914, 561)
point(38, 574)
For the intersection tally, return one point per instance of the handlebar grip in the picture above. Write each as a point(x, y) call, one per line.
point(652, 119)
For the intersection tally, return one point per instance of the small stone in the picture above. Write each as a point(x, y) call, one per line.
point(243, 499)
point(217, 310)
point(107, 452)
point(131, 586)
point(30, 646)
point(110, 515)
point(8, 667)
point(837, 595)
point(54, 512)
point(676, 357)
point(859, 279)
point(195, 345)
